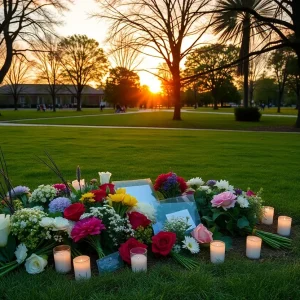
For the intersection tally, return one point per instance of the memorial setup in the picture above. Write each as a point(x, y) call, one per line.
point(124, 222)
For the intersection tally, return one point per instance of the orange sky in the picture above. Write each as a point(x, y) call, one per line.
point(77, 21)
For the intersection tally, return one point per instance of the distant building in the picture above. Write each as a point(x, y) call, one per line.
point(32, 95)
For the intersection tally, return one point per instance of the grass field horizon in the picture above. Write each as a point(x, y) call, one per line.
point(255, 160)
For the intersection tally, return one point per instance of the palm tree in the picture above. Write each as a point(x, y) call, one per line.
point(242, 27)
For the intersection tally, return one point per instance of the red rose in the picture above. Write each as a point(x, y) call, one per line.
point(137, 219)
point(163, 242)
point(182, 184)
point(99, 195)
point(74, 211)
point(108, 187)
point(125, 248)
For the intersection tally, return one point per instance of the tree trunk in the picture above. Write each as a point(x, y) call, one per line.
point(176, 92)
point(15, 101)
point(281, 91)
point(8, 58)
point(78, 97)
point(214, 94)
point(243, 68)
point(54, 101)
point(251, 92)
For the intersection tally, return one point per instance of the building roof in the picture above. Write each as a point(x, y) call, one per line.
point(43, 89)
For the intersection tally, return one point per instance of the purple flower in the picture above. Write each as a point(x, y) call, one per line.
point(170, 182)
point(18, 191)
point(211, 182)
point(238, 192)
point(59, 204)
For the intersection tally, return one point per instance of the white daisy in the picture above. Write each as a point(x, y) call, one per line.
point(195, 182)
point(224, 184)
point(191, 244)
point(243, 202)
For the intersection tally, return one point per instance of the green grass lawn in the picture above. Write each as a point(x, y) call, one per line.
point(268, 160)
point(164, 119)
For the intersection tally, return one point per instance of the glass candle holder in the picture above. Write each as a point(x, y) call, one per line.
point(253, 247)
point(217, 252)
point(268, 214)
point(62, 258)
point(138, 258)
point(82, 267)
point(284, 225)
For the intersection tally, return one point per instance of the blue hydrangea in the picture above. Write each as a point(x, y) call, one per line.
point(59, 204)
point(18, 190)
point(211, 182)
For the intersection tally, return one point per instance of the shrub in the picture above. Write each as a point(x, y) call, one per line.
point(249, 114)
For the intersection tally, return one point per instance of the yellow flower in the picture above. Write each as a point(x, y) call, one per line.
point(129, 200)
point(121, 191)
point(116, 197)
point(89, 197)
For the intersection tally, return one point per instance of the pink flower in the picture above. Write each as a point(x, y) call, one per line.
point(225, 200)
point(249, 193)
point(60, 186)
point(202, 235)
point(85, 227)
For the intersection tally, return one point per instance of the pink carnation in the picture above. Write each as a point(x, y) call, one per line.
point(250, 193)
point(59, 186)
point(85, 227)
point(202, 235)
point(225, 200)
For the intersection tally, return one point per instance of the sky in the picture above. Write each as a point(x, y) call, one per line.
point(77, 21)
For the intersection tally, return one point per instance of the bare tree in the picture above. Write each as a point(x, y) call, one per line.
point(17, 75)
point(26, 20)
point(48, 66)
point(82, 62)
point(161, 27)
point(123, 52)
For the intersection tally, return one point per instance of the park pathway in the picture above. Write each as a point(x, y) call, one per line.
point(6, 124)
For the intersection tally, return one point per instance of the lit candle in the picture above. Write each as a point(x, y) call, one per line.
point(82, 267)
point(62, 259)
point(284, 225)
point(268, 214)
point(253, 247)
point(77, 186)
point(138, 259)
point(217, 252)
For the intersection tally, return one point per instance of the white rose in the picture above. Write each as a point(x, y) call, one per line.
point(47, 222)
point(104, 177)
point(35, 264)
point(60, 223)
point(4, 229)
point(195, 182)
point(78, 185)
point(21, 253)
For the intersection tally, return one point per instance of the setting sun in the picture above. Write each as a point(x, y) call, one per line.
point(153, 83)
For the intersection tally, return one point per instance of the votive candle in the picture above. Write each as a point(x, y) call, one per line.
point(284, 225)
point(62, 258)
point(82, 267)
point(217, 252)
point(138, 257)
point(268, 214)
point(253, 247)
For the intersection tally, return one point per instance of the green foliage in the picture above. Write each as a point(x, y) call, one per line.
point(248, 114)
point(144, 235)
point(265, 90)
point(122, 87)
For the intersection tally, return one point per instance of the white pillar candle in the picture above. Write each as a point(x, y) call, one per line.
point(139, 263)
point(82, 267)
point(138, 257)
point(62, 259)
point(284, 225)
point(77, 186)
point(268, 214)
point(253, 247)
point(217, 252)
